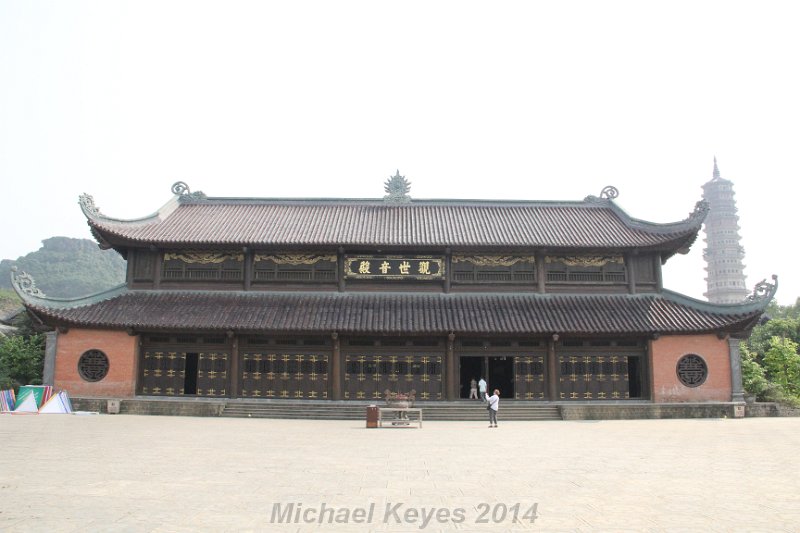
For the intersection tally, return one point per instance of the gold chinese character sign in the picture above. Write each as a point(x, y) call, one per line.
point(394, 267)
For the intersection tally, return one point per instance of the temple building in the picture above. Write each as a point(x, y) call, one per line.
point(724, 254)
point(342, 299)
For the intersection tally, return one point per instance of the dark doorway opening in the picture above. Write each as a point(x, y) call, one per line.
point(190, 379)
point(471, 368)
point(501, 375)
point(634, 378)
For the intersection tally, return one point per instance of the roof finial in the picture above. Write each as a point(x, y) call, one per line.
point(716, 169)
point(397, 188)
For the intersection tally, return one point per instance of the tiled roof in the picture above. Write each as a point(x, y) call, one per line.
point(593, 223)
point(402, 313)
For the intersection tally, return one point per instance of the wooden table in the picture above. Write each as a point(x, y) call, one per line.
point(401, 417)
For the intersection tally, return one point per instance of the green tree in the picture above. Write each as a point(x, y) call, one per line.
point(769, 356)
point(21, 360)
point(782, 363)
point(754, 377)
point(784, 311)
point(760, 339)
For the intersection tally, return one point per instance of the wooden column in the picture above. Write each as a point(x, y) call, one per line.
point(630, 266)
point(448, 269)
point(234, 377)
point(335, 375)
point(541, 272)
point(552, 370)
point(157, 270)
point(651, 378)
point(139, 363)
point(130, 260)
point(340, 267)
point(451, 378)
point(659, 278)
point(644, 371)
point(248, 268)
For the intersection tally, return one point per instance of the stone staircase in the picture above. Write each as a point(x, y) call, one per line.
point(333, 410)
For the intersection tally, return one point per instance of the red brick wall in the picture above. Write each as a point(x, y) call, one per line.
point(666, 351)
point(119, 347)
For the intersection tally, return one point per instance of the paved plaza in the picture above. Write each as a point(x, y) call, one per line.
point(138, 473)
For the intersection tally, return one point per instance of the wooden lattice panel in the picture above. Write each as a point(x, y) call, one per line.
point(368, 376)
point(283, 375)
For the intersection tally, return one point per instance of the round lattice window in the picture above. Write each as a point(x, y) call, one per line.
point(93, 365)
point(692, 370)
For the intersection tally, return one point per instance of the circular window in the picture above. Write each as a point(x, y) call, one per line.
point(93, 365)
point(692, 370)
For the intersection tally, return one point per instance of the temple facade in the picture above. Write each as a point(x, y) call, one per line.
point(343, 299)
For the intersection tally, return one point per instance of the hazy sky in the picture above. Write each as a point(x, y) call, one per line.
point(516, 100)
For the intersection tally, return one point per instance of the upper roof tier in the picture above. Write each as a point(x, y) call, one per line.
point(193, 220)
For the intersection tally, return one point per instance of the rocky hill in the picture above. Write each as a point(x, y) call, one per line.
point(68, 268)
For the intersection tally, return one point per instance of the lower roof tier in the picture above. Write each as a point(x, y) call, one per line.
point(400, 313)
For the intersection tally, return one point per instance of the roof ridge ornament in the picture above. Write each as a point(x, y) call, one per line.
point(763, 291)
point(24, 283)
point(181, 189)
point(86, 202)
point(609, 192)
point(716, 174)
point(397, 188)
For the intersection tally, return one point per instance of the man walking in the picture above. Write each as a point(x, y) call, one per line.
point(482, 389)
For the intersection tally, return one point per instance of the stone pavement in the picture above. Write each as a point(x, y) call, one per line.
point(133, 473)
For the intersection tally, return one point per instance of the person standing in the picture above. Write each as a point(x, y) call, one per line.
point(482, 389)
point(494, 405)
point(473, 389)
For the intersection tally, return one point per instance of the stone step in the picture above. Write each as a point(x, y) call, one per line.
point(346, 417)
point(362, 412)
point(321, 411)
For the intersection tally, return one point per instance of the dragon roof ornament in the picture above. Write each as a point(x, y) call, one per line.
point(86, 201)
point(763, 291)
point(700, 210)
point(24, 283)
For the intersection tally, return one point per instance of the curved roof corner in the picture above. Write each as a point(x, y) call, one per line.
point(685, 230)
point(34, 298)
point(93, 214)
point(763, 293)
point(693, 222)
point(98, 221)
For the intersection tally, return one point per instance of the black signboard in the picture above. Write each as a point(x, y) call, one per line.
point(393, 267)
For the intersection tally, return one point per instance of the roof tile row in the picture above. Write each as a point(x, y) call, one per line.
point(353, 223)
point(395, 313)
